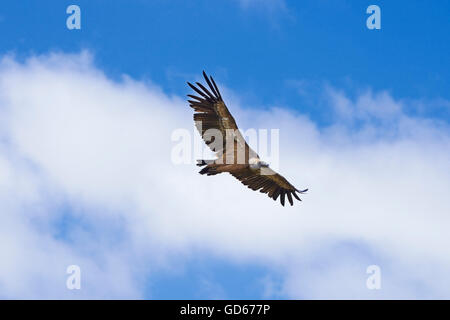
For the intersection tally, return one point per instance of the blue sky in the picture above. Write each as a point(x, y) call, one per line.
point(266, 53)
point(255, 49)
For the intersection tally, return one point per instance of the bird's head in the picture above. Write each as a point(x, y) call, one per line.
point(255, 163)
point(263, 164)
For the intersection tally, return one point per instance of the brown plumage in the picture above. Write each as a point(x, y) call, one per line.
point(213, 120)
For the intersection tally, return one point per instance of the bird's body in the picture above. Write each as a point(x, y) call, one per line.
point(220, 132)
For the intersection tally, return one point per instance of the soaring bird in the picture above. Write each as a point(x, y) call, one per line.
point(218, 129)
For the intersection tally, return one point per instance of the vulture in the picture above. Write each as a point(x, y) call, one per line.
point(234, 155)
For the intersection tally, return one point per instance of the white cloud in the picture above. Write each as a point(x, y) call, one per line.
point(76, 145)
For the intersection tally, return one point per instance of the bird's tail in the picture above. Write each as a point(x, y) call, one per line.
point(210, 169)
point(202, 163)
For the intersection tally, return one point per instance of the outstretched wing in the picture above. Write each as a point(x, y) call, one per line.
point(269, 182)
point(212, 113)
